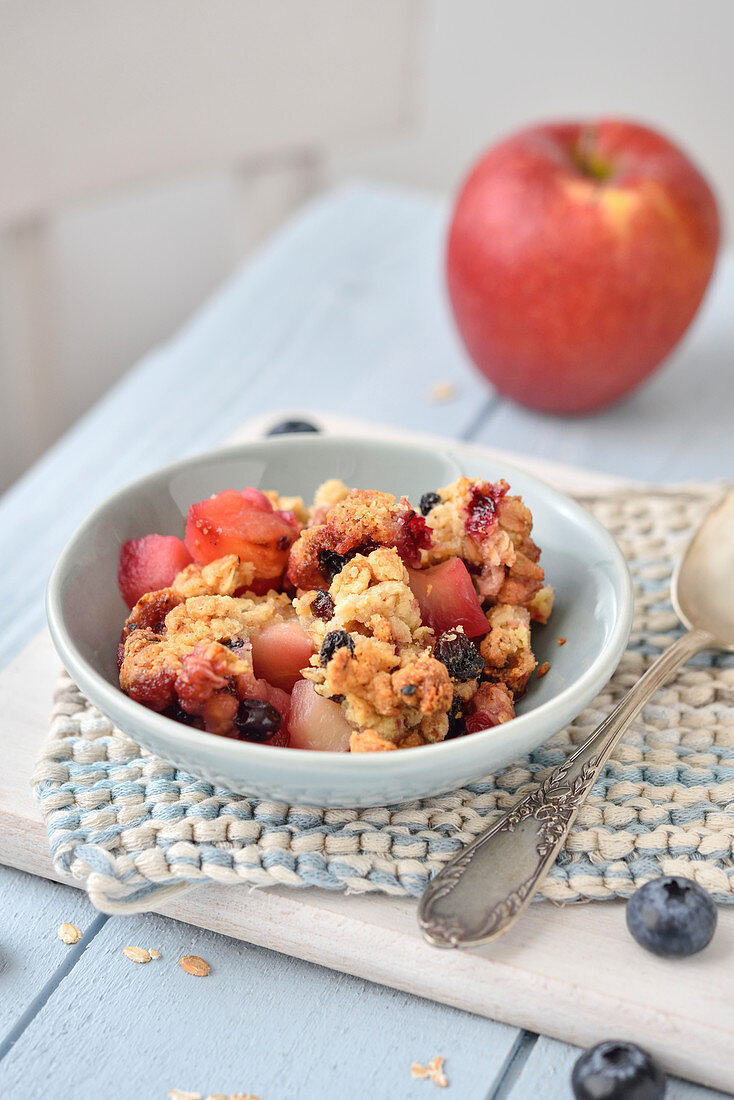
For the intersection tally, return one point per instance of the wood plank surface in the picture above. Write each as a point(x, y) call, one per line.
point(232, 1031)
point(31, 910)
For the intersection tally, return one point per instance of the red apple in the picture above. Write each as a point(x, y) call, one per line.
point(578, 255)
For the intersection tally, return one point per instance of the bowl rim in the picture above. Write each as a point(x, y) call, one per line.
point(309, 762)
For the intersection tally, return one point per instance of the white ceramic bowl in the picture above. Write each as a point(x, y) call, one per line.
point(583, 563)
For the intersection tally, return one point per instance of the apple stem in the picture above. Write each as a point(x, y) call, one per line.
point(587, 160)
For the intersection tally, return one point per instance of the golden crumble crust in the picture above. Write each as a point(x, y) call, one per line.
point(541, 605)
point(504, 550)
point(328, 494)
point(507, 649)
point(163, 629)
point(364, 518)
point(369, 741)
point(391, 684)
point(495, 701)
point(371, 682)
point(190, 645)
point(221, 618)
point(222, 577)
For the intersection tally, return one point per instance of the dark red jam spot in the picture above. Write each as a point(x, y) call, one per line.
point(482, 508)
point(323, 606)
point(414, 536)
point(480, 720)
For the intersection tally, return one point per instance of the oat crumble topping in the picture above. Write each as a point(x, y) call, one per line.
point(399, 657)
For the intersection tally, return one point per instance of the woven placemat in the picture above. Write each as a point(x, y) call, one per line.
point(136, 828)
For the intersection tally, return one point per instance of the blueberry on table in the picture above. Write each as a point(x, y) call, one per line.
point(617, 1070)
point(672, 917)
point(257, 720)
point(292, 427)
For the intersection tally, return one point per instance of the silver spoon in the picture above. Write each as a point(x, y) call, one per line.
point(482, 891)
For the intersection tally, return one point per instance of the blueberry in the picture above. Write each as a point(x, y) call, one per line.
point(331, 563)
point(457, 722)
point(323, 606)
point(429, 501)
point(461, 657)
point(337, 639)
point(178, 714)
point(671, 916)
point(292, 427)
point(257, 720)
point(617, 1070)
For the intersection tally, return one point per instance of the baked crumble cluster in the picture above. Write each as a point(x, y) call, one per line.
point(361, 623)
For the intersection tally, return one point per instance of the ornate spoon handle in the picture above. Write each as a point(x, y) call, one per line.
point(482, 891)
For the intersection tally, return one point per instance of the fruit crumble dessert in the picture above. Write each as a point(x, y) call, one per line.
point(358, 624)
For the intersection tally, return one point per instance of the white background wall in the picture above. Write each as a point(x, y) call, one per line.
point(489, 67)
point(129, 268)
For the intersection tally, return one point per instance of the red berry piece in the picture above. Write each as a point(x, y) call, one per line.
point(414, 535)
point(482, 508)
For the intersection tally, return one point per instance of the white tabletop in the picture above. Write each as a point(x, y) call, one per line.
point(344, 310)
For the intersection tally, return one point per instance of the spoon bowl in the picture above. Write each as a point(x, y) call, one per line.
point(702, 586)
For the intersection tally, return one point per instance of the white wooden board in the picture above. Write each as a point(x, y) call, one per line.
point(571, 973)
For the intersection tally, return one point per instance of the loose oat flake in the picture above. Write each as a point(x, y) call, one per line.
point(434, 1071)
point(442, 391)
point(137, 954)
point(153, 953)
point(192, 964)
point(69, 933)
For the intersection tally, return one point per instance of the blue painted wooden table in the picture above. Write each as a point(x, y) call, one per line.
point(343, 310)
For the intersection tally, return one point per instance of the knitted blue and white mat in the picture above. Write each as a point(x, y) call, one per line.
point(135, 828)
